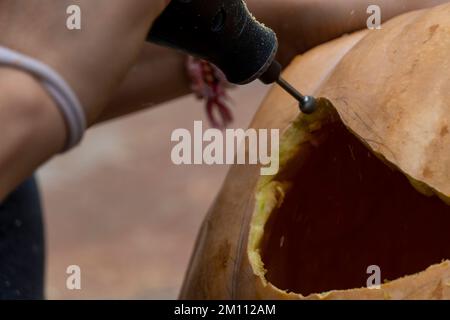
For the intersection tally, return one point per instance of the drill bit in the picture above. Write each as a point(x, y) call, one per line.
point(273, 74)
point(307, 103)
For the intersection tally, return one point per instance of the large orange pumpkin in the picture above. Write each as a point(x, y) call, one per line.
point(363, 181)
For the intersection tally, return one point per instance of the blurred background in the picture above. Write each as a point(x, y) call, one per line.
point(121, 210)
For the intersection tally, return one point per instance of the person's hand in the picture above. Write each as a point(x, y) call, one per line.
point(93, 60)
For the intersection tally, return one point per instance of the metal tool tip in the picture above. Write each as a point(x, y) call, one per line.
point(308, 104)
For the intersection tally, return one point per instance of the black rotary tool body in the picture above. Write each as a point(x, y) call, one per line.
point(226, 34)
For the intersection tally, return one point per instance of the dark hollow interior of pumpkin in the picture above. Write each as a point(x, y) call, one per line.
point(346, 211)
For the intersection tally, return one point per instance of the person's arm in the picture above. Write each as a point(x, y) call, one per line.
point(93, 60)
point(160, 74)
point(31, 128)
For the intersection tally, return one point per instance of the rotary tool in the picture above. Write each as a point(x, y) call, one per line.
point(225, 33)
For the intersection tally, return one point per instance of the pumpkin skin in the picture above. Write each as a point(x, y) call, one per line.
point(388, 90)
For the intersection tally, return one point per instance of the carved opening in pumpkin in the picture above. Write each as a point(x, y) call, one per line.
point(348, 210)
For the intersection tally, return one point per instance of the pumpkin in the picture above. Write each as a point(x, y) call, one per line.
point(364, 181)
